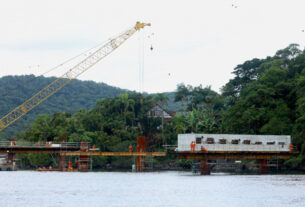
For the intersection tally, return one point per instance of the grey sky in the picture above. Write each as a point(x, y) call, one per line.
point(196, 42)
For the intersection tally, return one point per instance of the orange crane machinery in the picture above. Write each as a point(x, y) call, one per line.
point(71, 74)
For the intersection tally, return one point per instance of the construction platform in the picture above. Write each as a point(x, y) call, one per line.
point(233, 155)
point(263, 157)
point(152, 154)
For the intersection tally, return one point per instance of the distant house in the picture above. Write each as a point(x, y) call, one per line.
point(158, 112)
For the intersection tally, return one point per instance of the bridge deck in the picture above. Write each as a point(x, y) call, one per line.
point(70, 151)
point(36, 149)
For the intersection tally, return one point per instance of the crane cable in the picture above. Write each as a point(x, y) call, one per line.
point(142, 40)
point(141, 62)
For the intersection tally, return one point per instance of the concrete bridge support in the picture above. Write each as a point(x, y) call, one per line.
point(205, 169)
point(11, 165)
point(62, 162)
point(263, 166)
point(10, 158)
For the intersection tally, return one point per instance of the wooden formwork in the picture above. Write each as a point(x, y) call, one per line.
point(84, 158)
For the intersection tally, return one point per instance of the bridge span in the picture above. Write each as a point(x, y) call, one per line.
point(206, 147)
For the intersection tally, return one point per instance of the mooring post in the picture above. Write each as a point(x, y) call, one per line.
point(263, 166)
point(205, 169)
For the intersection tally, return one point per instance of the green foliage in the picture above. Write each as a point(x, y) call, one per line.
point(266, 96)
point(295, 162)
point(273, 102)
point(186, 164)
point(38, 160)
point(205, 110)
point(112, 125)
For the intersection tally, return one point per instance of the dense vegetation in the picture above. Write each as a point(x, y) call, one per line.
point(14, 90)
point(112, 125)
point(266, 96)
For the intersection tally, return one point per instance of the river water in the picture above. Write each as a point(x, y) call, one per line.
point(114, 189)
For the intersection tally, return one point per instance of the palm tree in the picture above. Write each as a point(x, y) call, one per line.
point(127, 103)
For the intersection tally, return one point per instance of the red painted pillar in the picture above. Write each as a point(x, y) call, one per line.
point(141, 147)
point(263, 166)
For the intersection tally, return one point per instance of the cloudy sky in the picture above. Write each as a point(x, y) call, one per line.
point(194, 42)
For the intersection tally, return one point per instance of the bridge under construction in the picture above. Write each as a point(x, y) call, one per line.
point(203, 147)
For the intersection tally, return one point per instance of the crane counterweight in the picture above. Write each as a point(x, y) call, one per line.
point(140, 25)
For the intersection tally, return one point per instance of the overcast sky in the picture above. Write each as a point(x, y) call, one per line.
point(194, 42)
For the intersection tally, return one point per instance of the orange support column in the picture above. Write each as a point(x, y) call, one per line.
point(141, 147)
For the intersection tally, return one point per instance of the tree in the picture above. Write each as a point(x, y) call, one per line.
point(161, 99)
point(288, 53)
point(182, 93)
point(180, 123)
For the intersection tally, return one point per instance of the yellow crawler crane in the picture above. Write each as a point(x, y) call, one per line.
point(66, 78)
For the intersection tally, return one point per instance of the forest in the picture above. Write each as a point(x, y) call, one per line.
point(265, 96)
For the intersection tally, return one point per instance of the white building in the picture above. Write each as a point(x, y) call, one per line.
point(235, 142)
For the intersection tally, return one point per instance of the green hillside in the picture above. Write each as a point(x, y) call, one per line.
point(14, 90)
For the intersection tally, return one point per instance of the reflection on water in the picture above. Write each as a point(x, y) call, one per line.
point(23, 188)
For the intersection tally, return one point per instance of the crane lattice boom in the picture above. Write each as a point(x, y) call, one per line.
point(66, 78)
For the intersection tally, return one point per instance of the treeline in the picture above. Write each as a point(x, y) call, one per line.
point(267, 96)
